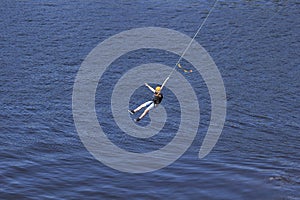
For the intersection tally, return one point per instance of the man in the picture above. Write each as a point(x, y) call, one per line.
point(157, 98)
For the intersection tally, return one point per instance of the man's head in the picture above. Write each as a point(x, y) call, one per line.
point(157, 89)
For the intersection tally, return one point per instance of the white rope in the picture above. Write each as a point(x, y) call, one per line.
point(189, 45)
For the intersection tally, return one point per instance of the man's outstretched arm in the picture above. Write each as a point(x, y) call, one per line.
point(150, 87)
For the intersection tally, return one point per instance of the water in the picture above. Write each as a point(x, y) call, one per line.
point(255, 45)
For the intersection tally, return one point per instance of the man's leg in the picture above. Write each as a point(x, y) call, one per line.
point(146, 111)
point(141, 106)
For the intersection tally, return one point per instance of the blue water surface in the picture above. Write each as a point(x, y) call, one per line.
point(255, 45)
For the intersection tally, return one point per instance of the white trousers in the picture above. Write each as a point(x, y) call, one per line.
point(150, 105)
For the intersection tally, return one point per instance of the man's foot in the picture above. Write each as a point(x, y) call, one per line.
point(137, 119)
point(131, 111)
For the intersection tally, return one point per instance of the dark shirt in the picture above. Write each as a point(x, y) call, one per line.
point(157, 98)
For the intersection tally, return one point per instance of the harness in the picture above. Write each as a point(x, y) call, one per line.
point(157, 98)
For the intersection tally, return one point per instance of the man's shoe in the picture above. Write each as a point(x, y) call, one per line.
point(137, 119)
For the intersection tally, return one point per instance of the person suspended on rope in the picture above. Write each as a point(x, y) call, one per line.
point(157, 98)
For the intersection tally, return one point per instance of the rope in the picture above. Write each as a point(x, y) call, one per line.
point(189, 45)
